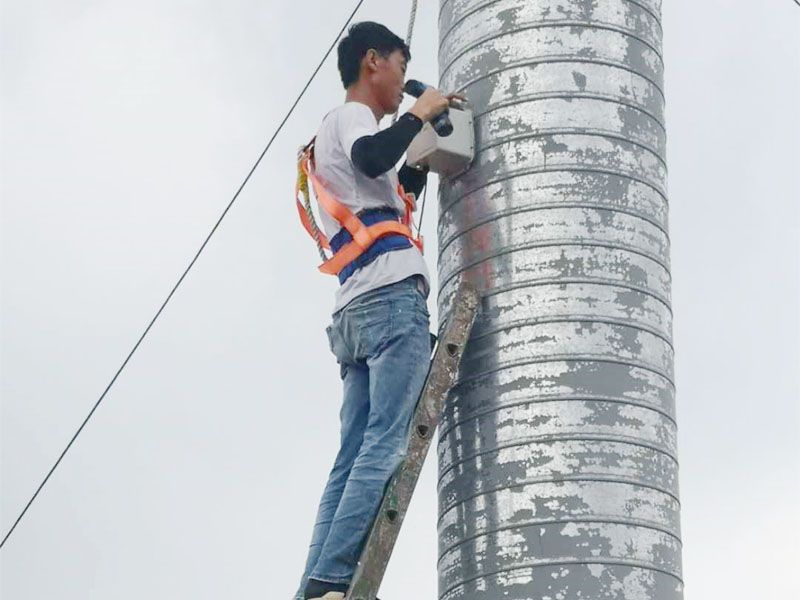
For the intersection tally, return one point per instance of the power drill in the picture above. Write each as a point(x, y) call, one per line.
point(441, 123)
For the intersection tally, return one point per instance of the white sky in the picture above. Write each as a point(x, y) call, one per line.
point(126, 129)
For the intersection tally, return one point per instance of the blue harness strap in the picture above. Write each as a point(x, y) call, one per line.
point(388, 243)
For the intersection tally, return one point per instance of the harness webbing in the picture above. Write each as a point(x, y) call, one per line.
point(362, 236)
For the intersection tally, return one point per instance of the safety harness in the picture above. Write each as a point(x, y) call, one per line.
point(364, 236)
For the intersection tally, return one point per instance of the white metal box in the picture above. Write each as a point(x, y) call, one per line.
point(447, 156)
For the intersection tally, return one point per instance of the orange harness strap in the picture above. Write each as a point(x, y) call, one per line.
point(363, 236)
point(352, 250)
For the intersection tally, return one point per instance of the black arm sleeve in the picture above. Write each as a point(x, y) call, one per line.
point(373, 155)
point(412, 180)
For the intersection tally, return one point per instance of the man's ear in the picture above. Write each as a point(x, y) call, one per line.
point(371, 60)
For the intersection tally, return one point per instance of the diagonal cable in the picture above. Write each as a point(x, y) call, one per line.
point(222, 216)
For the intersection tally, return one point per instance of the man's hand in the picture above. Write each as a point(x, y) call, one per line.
point(429, 104)
point(459, 97)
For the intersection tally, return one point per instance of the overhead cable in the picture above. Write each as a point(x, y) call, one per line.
point(222, 216)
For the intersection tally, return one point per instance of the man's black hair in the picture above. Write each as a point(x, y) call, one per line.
point(361, 38)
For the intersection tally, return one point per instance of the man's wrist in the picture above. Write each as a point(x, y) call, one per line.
point(415, 116)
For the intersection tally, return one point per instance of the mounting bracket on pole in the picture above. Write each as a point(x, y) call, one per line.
point(447, 156)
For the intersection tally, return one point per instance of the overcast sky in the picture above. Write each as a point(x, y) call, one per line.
point(126, 129)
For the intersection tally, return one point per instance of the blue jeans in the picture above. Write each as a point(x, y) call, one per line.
point(382, 344)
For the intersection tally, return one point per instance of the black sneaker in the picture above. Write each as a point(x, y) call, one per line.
point(324, 590)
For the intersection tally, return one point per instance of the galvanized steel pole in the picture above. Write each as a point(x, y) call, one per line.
point(557, 452)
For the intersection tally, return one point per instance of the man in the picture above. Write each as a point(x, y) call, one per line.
point(379, 332)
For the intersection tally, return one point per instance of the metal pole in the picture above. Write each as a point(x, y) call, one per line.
point(557, 449)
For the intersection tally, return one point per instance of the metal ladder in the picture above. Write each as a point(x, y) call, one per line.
point(397, 495)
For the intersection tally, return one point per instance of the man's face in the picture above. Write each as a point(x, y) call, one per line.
point(389, 79)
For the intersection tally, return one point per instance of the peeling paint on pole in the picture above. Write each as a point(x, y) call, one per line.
point(558, 472)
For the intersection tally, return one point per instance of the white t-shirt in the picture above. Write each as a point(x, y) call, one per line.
point(335, 170)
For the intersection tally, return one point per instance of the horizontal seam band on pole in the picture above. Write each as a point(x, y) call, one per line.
point(533, 321)
point(441, 9)
point(642, 523)
point(566, 169)
point(559, 59)
point(601, 25)
point(562, 281)
point(515, 31)
point(567, 358)
point(596, 478)
point(444, 244)
point(445, 209)
point(534, 400)
point(569, 242)
point(475, 9)
point(639, 4)
point(621, 563)
point(560, 131)
point(557, 437)
point(567, 95)
point(495, 216)
point(648, 9)
point(557, 244)
point(564, 131)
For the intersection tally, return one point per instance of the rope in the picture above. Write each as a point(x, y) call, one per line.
point(411, 18)
point(227, 208)
point(302, 180)
point(410, 32)
point(422, 208)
